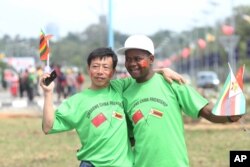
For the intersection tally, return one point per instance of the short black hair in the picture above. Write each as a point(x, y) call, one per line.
point(101, 53)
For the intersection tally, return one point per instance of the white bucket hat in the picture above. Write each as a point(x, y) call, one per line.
point(137, 42)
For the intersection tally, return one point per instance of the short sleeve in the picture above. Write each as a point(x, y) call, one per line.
point(189, 99)
point(64, 116)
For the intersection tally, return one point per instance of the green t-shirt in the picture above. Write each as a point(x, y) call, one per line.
point(99, 120)
point(155, 110)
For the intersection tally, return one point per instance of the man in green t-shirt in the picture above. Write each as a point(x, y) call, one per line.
point(97, 114)
point(154, 108)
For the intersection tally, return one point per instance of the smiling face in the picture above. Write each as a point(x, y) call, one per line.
point(139, 64)
point(100, 71)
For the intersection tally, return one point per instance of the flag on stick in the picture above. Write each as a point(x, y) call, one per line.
point(231, 100)
point(44, 46)
point(239, 76)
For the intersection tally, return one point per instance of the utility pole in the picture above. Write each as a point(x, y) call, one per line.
point(110, 25)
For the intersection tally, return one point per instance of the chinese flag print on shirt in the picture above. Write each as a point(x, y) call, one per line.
point(98, 120)
point(137, 116)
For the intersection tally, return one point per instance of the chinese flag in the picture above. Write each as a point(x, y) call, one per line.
point(98, 120)
point(239, 76)
point(137, 116)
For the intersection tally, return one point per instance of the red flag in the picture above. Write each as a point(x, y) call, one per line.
point(99, 119)
point(137, 116)
point(227, 30)
point(239, 76)
point(202, 43)
point(185, 52)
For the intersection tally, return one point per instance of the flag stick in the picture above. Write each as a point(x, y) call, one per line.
point(229, 66)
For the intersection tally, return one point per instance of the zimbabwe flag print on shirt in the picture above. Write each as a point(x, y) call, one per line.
point(117, 115)
point(99, 119)
point(156, 113)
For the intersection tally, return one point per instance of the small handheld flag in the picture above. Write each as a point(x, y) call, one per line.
point(231, 100)
point(44, 49)
point(239, 76)
point(44, 46)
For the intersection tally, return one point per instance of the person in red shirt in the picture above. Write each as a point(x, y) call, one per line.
point(80, 81)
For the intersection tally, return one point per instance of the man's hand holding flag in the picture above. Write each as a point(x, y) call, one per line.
point(232, 102)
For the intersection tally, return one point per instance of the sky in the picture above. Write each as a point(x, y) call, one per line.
point(27, 17)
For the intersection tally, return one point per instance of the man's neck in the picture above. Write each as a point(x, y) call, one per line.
point(92, 87)
point(146, 78)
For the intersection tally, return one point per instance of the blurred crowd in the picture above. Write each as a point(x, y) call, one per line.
point(26, 82)
point(68, 82)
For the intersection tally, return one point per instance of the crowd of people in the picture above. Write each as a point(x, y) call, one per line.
point(68, 82)
point(26, 83)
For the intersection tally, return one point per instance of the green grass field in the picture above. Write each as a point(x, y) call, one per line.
point(23, 144)
point(211, 147)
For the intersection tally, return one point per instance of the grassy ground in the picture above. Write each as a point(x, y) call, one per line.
point(211, 147)
point(23, 144)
